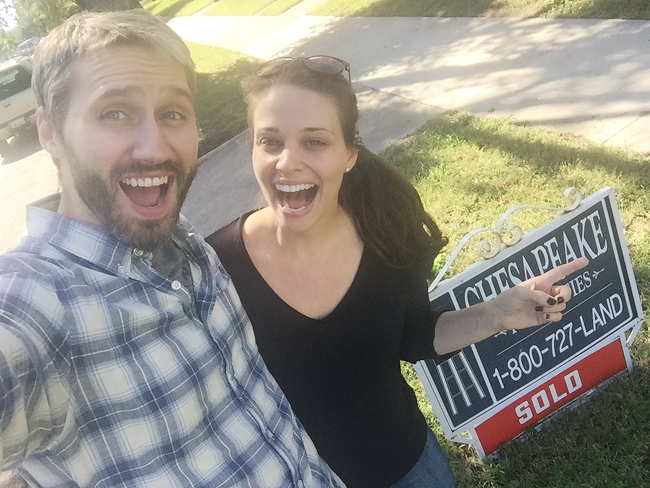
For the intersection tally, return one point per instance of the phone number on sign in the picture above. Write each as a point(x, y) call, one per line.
point(559, 342)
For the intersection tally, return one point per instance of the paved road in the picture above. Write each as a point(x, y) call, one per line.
point(27, 174)
point(12, 480)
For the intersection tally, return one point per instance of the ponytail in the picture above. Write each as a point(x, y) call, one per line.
point(389, 215)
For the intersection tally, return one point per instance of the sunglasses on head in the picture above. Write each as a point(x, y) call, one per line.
point(322, 64)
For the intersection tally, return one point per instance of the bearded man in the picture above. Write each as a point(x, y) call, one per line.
point(125, 356)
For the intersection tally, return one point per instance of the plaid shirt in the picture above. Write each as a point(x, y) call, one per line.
point(112, 375)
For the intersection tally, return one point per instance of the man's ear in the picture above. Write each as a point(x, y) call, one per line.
point(48, 135)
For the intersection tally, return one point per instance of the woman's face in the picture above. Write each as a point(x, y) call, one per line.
point(299, 156)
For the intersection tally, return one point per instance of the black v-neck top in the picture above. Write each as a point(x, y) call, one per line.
point(341, 373)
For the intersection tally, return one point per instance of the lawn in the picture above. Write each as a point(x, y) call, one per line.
point(600, 9)
point(597, 9)
point(175, 8)
point(468, 170)
point(251, 7)
point(220, 107)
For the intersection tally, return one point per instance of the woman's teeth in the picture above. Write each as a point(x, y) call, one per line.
point(294, 188)
point(146, 182)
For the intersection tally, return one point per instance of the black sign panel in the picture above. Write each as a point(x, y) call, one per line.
point(605, 300)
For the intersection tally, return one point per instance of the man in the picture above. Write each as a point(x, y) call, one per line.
point(125, 356)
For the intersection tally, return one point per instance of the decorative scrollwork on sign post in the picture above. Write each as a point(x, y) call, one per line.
point(504, 234)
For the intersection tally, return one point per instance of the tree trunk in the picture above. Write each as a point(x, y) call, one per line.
point(105, 5)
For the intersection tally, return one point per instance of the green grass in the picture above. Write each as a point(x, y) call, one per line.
point(605, 9)
point(238, 7)
point(175, 8)
point(220, 107)
point(278, 7)
point(468, 171)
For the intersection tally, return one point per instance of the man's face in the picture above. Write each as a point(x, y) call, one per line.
point(128, 145)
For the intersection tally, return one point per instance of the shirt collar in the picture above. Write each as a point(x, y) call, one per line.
point(90, 242)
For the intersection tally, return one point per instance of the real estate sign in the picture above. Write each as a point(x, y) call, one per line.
point(497, 388)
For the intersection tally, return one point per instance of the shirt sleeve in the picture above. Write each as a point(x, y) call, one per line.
point(33, 396)
point(419, 323)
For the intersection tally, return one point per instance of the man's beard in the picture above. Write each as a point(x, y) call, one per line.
point(100, 196)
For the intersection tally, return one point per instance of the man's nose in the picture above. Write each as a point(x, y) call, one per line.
point(151, 142)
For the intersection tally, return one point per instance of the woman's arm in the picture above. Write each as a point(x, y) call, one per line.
point(533, 302)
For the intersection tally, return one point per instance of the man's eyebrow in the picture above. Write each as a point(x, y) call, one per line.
point(134, 90)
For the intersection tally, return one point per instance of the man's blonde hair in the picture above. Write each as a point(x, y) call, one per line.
point(53, 75)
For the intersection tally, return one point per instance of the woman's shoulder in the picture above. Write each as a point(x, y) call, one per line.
point(228, 237)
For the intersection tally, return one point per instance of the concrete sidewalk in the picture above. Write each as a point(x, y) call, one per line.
point(590, 78)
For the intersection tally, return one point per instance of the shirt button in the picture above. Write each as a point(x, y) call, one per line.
point(138, 252)
point(176, 285)
point(301, 484)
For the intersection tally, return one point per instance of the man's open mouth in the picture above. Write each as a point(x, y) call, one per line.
point(146, 192)
point(296, 197)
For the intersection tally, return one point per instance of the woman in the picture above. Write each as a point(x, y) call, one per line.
point(332, 274)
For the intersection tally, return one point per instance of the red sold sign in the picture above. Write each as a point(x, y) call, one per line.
point(560, 390)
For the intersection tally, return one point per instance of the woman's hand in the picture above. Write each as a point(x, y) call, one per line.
point(533, 302)
point(537, 300)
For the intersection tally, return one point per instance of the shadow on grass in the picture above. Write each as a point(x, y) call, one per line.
point(220, 107)
point(594, 9)
point(544, 156)
point(432, 8)
point(173, 9)
point(599, 9)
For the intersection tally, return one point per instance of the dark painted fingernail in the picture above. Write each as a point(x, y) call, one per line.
point(551, 301)
point(560, 299)
point(539, 308)
point(548, 316)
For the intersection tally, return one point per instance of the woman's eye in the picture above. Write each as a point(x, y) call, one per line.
point(267, 141)
point(113, 115)
point(314, 142)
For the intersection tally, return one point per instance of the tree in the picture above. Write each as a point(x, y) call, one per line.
point(104, 5)
point(38, 17)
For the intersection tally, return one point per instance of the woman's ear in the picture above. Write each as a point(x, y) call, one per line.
point(353, 154)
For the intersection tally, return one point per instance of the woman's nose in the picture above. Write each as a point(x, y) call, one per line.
point(288, 160)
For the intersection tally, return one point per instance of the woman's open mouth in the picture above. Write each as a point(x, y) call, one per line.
point(146, 192)
point(296, 197)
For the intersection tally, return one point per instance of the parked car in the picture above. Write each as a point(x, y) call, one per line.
point(26, 48)
point(17, 100)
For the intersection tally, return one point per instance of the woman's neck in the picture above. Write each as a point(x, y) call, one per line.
point(337, 227)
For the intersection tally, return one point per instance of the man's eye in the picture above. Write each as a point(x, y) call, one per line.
point(172, 115)
point(113, 115)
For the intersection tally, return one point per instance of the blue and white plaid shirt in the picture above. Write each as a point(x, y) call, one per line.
point(112, 375)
